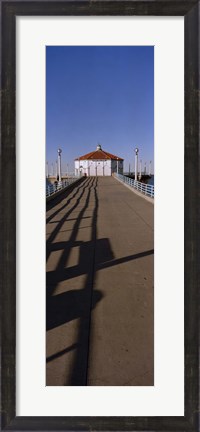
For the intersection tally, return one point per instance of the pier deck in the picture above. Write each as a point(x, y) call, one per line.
point(100, 292)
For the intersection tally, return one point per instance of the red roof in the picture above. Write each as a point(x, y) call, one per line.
point(99, 154)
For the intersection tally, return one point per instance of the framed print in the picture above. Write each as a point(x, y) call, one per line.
point(82, 228)
point(44, 43)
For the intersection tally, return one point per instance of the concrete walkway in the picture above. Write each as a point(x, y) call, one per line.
point(100, 328)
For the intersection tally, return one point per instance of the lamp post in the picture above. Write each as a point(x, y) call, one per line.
point(117, 166)
point(56, 170)
point(149, 168)
point(140, 168)
point(136, 162)
point(47, 170)
point(59, 164)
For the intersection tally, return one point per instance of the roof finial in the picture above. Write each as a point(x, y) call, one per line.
point(98, 146)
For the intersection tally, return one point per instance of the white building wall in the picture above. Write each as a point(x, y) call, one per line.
point(76, 164)
point(107, 168)
point(93, 167)
point(98, 167)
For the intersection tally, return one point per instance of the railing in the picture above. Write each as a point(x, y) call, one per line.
point(53, 188)
point(140, 187)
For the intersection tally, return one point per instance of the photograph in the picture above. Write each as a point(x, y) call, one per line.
point(99, 215)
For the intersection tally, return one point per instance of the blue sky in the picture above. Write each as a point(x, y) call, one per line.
point(99, 94)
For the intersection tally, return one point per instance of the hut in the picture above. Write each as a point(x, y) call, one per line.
point(98, 163)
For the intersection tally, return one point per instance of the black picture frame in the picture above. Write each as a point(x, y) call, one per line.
point(191, 11)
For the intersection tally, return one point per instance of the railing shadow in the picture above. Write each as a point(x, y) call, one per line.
point(60, 223)
point(75, 304)
point(60, 198)
point(78, 303)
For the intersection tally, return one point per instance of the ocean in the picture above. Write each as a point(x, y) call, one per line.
point(151, 180)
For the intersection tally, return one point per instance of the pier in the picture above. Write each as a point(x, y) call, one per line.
point(100, 294)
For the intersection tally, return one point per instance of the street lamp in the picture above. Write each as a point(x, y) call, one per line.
point(149, 168)
point(140, 169)
point(59, 164)
point(136, 162)
point(117, 165)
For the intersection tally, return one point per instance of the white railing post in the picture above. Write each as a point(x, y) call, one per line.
point(136, 162)
point(59, 163)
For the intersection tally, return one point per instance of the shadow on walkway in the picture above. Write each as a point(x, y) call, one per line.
point(74, 304)
point(77, 303)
